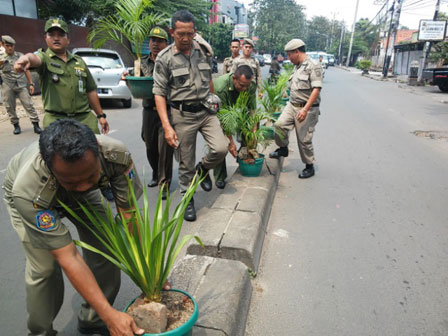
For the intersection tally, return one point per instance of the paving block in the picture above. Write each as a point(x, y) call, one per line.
point(222, 289)
point(244, 239)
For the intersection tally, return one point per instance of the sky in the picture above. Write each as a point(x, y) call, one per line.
point(412, 12)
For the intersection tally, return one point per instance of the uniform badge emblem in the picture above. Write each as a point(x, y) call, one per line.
point(45, 220)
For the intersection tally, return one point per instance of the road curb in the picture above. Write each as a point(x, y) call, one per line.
point(232, 230)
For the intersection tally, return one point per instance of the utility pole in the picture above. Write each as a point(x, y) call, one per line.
point(427, 48)
point(390, 49)
point(392, 10)
point(353, 34)
point(340, 43)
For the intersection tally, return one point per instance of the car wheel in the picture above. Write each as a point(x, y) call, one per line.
point(443, 87)
point(127, 103)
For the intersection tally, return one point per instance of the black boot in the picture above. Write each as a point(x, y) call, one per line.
point(281, 151)
point(17, 129)
point(190, 212)
point(206, 184)
point(37, 129)
point(307, 172)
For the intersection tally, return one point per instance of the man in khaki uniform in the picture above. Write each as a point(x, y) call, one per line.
point(68, 88)
point(228, 61)
point(68, 164)
point(182, 76)
point(247, 59)
point(302, 111)
point(15, 86)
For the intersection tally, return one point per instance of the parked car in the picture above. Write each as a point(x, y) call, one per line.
point(437, 76)
point(267, 58)
point(107, 67)
point(260, 59)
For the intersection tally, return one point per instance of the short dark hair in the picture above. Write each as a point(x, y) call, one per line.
point(302, 49)
point(235, 40)
point(182, 15)
point(67, 138)
point(244, 70)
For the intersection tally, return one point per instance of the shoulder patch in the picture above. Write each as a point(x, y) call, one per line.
point(45, 220)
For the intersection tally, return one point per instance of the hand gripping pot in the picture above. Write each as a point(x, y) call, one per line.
point(212, 103)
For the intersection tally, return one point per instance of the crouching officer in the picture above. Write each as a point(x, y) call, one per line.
point(302, 111)
point(69, 163)
point(182, 77)
point(68, 88)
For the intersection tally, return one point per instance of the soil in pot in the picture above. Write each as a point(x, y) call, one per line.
point(175, 308)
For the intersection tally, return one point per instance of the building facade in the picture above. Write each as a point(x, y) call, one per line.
point(20, 8)
point(228, 11)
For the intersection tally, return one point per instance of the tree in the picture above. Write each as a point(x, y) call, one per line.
point(219, 37)
point(318, 33)
point(276, 22)
point(439, 51)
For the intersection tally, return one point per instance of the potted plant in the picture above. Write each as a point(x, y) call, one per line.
point(146, 253)
point(365, 66)
point(132, 22)
point(237, 120)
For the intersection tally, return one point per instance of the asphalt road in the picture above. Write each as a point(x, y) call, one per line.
point(362, 247)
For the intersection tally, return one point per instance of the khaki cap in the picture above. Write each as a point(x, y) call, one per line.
point(248, 41)
point(294, 44)
point(158, 32)
point(8, 39)
point(56, 23)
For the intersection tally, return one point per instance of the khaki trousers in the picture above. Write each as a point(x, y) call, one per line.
point(9, 99)
point(304, 130)
point(187, 125)
point(44, 282)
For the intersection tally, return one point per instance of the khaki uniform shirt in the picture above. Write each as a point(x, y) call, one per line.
point(227, 65)
point(306, 77)
point(254, 65)
point(147, 69)
point(179, 77)
point(64, 85)
point(32, 190)
point(9, 76)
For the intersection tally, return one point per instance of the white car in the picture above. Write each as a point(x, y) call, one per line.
point(267, 58)
point(106, 67)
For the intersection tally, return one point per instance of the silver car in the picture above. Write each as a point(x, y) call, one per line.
point(106, 67)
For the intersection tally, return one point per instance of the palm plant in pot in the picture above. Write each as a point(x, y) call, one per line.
point(131, 23)
point(237, 120)
point(146, 253)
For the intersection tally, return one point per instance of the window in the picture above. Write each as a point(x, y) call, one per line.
point(22, 8)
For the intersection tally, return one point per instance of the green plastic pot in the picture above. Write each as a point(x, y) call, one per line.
point(251, 169)
point(268, 132)
point(140, 87)
point(284, 101)
point(276, 115)
point(185, 329)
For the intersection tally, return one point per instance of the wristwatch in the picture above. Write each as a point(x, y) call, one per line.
point(102, 116)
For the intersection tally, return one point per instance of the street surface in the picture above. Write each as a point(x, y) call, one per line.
point(362, 247)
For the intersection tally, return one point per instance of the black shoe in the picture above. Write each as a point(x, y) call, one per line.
point(152, 183)
point(220, 184)
point(190, 212)
point(94, 331)
point(108, 194)
point(37, 129)
point(17, 129)
point(206, 184)
point(281, 151)
point(307, 172)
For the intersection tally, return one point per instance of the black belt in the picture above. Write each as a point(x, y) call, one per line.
point(193, 107)
point(303, 104)
point(66, 114)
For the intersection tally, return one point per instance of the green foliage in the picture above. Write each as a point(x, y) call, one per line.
point(219, 37)
point(72, 11)
point(146, 254)
point(131, 22)
point(237, 120)
point(273, 94)
point(318, 33)
point(365, 64)
point(439, 51)
point(276, 22)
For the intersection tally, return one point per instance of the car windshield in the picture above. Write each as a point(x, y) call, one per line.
point(101, 60)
